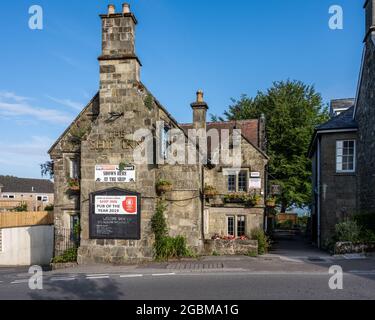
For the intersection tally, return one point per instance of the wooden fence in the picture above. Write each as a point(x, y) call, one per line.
point(25, 219)
point(284, 217)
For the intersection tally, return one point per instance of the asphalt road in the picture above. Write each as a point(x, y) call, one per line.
point(192, 286)
point(294, 270)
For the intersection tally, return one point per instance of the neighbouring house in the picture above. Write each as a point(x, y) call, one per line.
point(112, 196)
point(36, 194)
point(343, 150)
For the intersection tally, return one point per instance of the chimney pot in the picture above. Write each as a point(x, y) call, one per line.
point(111, 9)
point(125, 8)
point(200, 96)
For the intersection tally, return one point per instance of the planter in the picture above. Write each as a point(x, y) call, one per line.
point(74, 189)
point(271, 203)
point(164, 188)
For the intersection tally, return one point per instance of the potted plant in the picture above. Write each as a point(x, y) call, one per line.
point(255, 200)
point(209, 191)
point(163, 186)
point(271, 202)
point(73, 184)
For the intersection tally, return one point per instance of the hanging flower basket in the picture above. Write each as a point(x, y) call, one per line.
point(271, 203)
point(209, 191)
point(74, 185)
point(163, 186)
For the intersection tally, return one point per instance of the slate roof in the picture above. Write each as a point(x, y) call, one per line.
point(21, 185)
point(249, 128)
point(343, 121)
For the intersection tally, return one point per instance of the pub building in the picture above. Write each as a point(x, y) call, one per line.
point(100, 186)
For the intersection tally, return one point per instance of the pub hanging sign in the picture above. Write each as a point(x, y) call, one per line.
point(115, 214)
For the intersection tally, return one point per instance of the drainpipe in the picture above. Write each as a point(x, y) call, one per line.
point(318, 187)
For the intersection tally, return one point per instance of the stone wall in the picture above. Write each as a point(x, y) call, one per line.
point(231, 247)
point(366, 118)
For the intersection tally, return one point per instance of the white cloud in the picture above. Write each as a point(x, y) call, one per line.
point(12, 105)
point(67, 103)
point(24, 159)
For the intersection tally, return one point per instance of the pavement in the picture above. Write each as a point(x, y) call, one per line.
point(293, 270)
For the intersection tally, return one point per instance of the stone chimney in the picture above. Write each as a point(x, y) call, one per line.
point(119, 64)
point(369, 7)
point(199, 111)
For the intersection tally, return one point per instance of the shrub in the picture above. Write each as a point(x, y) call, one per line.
point(263, 240)
point(347, 231)
point(69, 255)
point(367, 236)
point(49, 208)
point(366, 221)
point(21, 208)
point(158, 222)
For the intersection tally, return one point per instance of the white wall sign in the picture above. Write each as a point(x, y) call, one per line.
point(255, 183)
point(116, 205)
point(112, 174)
point(255, 174)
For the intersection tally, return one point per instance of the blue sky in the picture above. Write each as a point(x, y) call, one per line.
point(227, 48)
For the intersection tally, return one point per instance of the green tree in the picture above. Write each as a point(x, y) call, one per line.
point(292, 111)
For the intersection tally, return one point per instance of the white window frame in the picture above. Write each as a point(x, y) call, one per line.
point(342, 155)
point(43, 197)
point(73, 168)
point(9, 196)
point(236, 173)
point(234, 225)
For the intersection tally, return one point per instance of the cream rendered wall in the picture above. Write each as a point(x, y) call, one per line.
point(27, 246)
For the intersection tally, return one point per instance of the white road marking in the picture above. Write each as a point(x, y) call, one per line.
point(364, 272)
point(62, 279)
point(20, 281)
point(131, 276)
point(163, 274)
point(98, 277)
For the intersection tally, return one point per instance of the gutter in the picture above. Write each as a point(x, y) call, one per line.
point(318, 187)
point(361, 76)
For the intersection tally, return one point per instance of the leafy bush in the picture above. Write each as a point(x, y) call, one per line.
point(21, 208)
point(367, 236)
point(347, 231)
point(69, 255)
point(263, 240)
point(49, 208)
point(366, 221)
point(158, 222)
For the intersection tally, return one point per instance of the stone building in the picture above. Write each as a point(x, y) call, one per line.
point(334, 174)
point(36, 194)
point(95, 164)
point(343, 150)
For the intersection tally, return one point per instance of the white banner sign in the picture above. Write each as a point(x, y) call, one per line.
point(112, 174)
point(255, 183)
point(116, 205)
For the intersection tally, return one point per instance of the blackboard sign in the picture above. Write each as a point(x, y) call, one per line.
point(115, 214)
